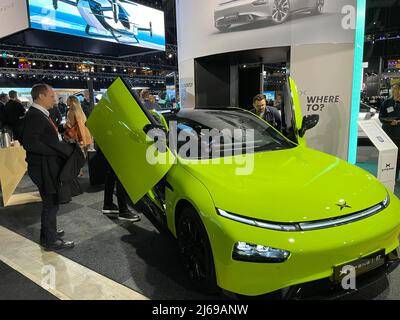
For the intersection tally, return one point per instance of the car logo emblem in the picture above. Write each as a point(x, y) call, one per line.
point(343, 205)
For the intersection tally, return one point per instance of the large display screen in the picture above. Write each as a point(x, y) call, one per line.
point(119, 21)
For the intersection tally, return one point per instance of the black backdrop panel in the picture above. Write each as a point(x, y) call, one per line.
point(217, 85)
point(212, 84)
point(63, 42)
point(249, 86)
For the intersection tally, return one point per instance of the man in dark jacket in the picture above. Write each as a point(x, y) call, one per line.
point(62, 107)
point(46, 155)
point(3, 101)
point(14, 112)
point(86, 105)
point(268, 113)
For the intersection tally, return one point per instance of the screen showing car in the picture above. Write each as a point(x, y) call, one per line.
point(119, 21)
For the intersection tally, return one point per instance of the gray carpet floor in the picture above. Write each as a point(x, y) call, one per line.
point(15, 286)
point(135, 255)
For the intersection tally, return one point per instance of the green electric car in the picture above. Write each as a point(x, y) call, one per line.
point(254, 213)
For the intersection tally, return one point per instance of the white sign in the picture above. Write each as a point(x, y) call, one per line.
point(13, 17)
point(387, 152)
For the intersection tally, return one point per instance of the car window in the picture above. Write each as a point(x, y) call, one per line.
point(195, 125)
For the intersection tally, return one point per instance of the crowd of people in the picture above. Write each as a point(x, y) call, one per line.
point(57, 141)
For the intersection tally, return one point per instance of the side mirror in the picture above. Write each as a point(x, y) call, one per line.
point(309, 122)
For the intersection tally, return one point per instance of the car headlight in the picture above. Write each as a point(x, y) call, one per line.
point(257, 223)
point(386, 202)
point(248, 252)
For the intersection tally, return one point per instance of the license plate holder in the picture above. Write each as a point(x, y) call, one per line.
point(362, 265)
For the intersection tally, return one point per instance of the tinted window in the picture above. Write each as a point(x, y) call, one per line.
point(196, 124)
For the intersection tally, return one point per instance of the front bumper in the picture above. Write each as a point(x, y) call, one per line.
point(314, 254)
point(324, 289)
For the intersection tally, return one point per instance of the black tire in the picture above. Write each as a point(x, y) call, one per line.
point(280, 11)
point(224, 28)
point(319, 6)
point(195, 251)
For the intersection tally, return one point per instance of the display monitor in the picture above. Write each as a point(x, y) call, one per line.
point(118, 21)
point(270, 95)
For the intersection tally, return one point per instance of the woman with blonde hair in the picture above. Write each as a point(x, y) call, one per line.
point(76, 129)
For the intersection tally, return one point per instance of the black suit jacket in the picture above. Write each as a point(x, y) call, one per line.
point(46, 155)
point(2, 114)
point(14, 111)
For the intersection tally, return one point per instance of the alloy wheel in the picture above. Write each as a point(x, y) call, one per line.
point(320, 6)
point(193, 249)
point(280, 11)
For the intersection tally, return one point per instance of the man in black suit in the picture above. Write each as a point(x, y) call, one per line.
point(14, 112)
point(62, 107)
point(86, 105)
point(46, 155)
point(3, 101)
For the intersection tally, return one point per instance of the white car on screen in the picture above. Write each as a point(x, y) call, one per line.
point(239, 12)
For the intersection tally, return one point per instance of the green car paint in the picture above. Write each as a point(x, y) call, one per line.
point(287, 186)
point(117, 124)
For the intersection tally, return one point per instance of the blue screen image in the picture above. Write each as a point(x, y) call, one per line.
point(119, 21)
point(271, 95)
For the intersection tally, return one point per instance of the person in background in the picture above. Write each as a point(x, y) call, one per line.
point(269, 114)
point(3, 101)
point(62, 107)
point(14, 113)
point(177, 103)
point(86, 105)
point(112, 182)
point(55, 115)
point(75, 128)
point(149, 101)
point(278, 101)
point(389, 115)
point(45, 155)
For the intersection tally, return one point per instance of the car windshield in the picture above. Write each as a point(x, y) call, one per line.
point(218, 133)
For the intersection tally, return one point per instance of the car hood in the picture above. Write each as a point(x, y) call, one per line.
point(294, 185)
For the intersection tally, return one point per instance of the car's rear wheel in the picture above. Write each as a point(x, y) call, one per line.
point(195, 251)
point(280, 11)
point(319, 7)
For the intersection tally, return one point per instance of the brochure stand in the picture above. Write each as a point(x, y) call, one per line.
point(387, 152)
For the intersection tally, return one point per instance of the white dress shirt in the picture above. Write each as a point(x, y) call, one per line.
point(40, 108)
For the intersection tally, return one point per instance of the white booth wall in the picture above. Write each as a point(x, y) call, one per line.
point(321, 63)
point(13, 17)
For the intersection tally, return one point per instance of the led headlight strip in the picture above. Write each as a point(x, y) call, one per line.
point(308, 226)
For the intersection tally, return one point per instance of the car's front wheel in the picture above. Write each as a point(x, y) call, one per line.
point(195, 251)
point(224, 28)
point(280, 11)
point(319, 7)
